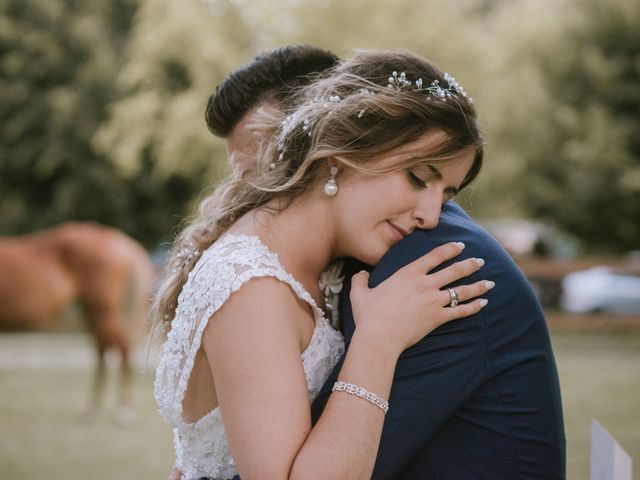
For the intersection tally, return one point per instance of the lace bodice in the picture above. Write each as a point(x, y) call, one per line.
point(201, 447)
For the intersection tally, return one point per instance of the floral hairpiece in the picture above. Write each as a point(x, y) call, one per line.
point(433, 90)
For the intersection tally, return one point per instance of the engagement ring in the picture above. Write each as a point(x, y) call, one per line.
point(454, 297)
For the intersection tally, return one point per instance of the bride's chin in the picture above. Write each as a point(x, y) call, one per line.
point(372, 257)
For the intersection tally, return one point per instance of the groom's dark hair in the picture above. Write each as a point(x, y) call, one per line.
point(270, 75)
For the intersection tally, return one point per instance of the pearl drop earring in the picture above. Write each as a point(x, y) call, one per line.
point(331, 187)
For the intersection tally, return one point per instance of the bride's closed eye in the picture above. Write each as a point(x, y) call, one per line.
point(420, 182)
point(417, 180)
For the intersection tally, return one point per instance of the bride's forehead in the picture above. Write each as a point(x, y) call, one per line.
point(428, 142)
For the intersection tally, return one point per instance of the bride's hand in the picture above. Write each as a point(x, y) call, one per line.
point(412, 302)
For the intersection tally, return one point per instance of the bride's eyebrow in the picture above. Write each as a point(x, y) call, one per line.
point(432, 170)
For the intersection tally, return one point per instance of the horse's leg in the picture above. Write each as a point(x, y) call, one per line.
point(111, 332)
point(98, 382)
point(125, 414)
point(100, 321)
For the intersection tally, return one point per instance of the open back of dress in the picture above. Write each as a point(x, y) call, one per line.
point(201, 447)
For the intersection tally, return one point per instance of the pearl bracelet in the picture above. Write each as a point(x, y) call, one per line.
point(352, 389)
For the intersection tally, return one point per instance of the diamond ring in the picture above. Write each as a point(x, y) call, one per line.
point(454, 297)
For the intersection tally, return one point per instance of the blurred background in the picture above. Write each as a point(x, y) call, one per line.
point(102, 119)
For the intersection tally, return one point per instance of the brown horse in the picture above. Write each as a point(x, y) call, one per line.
point(104, 270)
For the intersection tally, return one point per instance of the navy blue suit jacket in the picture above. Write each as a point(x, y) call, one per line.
point(478, 398)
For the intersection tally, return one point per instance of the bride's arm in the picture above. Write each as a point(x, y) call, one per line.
point(344, 442)
point(253, 347)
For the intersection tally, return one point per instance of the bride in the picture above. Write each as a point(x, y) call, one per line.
point(372, 152)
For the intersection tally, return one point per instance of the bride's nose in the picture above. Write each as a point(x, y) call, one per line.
point(426, 213)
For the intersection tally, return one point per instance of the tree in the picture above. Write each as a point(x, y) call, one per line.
point(59, 62)
point(58, 59)
point(581, 168)
point(175, 55)
point(101, 110)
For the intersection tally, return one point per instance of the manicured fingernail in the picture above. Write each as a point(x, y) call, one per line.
point(489, 284)
point(480, 261)
point(483, 302)
point(460, 245)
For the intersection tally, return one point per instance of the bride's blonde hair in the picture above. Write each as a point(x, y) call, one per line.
point(366, 106)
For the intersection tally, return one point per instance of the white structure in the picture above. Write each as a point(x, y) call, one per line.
point(599, 289)
point(608, 460)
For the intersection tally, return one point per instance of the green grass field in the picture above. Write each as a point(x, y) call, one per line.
point(599, 378)
point(43, 434)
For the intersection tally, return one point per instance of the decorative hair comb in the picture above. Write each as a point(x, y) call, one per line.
point(433, 90)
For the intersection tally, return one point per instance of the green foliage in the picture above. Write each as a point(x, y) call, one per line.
point(174, 59)
point(50, 92)
point(58, 64)
point(581, 151)
point(101, 109)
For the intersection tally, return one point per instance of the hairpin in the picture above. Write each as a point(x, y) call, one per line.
point(433, 90)
point(184, 257)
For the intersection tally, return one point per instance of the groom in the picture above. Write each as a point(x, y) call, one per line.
point(477, 398)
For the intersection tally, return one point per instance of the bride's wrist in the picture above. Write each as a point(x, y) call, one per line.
point(378, 344)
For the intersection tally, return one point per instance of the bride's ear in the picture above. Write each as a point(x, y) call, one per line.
point(325, 166)
point(334, 162)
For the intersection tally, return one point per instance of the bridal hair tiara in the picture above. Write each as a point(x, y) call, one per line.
point(400, 81)
point(397, 81)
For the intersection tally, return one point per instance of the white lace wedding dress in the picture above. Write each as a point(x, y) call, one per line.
point(201, 447)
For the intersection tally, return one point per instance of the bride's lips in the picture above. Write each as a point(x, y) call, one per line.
point(399, 232)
